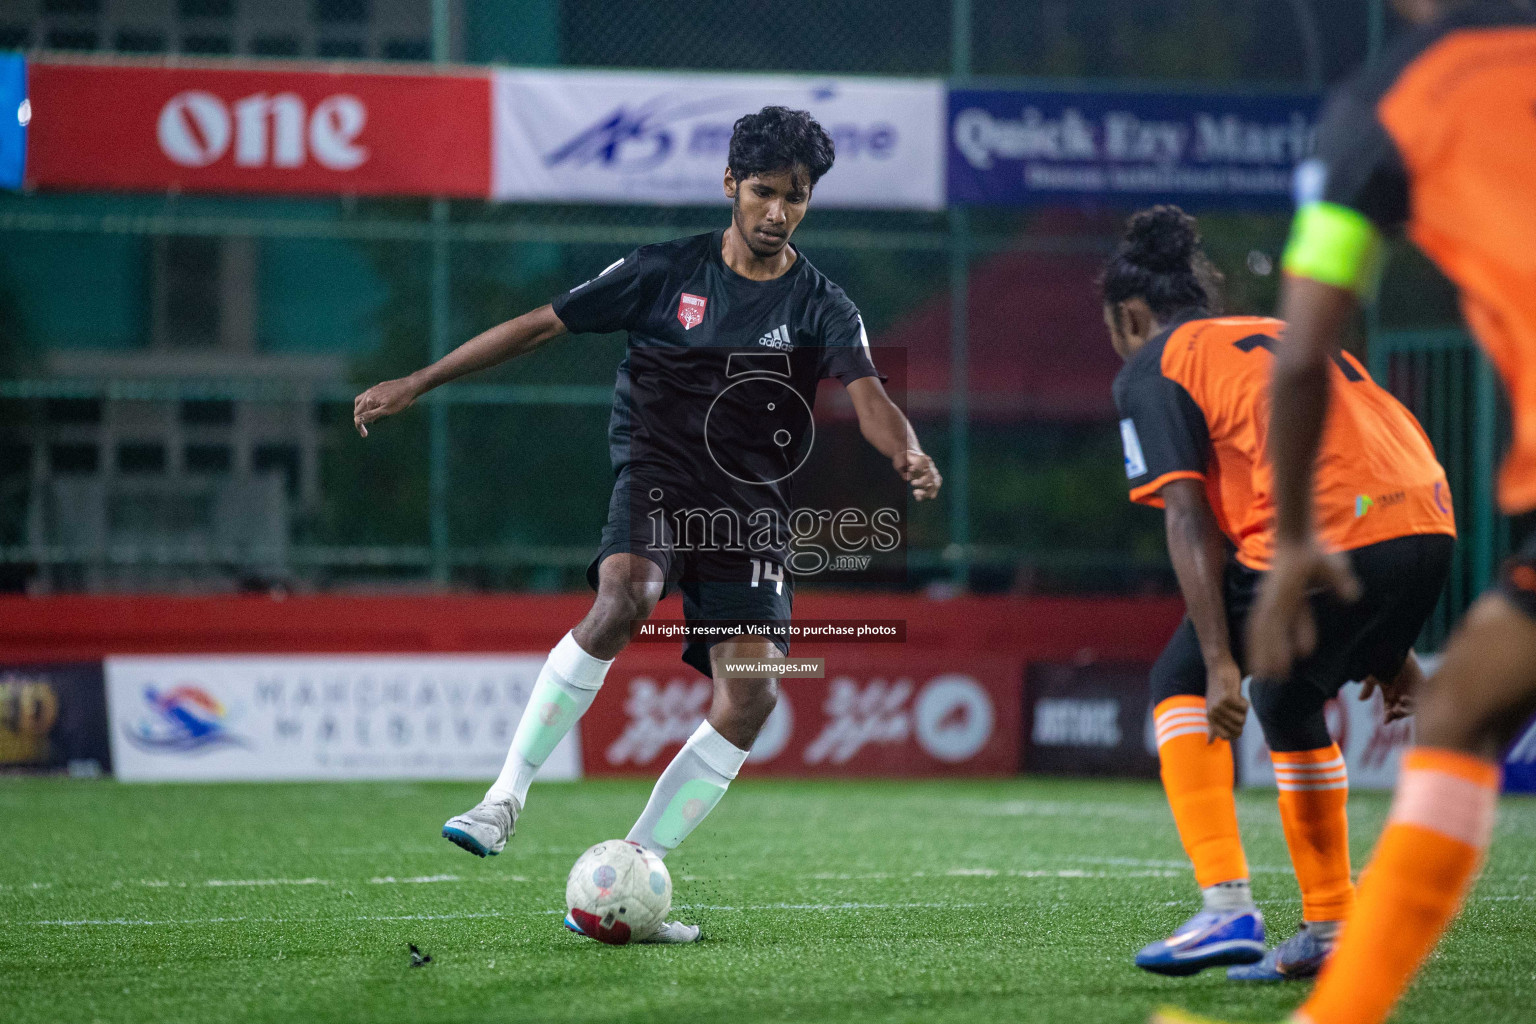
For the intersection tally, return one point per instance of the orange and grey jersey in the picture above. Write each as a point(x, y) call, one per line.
point(1194, 403)
point(1439, 136)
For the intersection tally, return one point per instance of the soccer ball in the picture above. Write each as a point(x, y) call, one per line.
point(619, 892)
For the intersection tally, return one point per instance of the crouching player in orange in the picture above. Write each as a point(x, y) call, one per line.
point(1194, 397)
point(1440, 136)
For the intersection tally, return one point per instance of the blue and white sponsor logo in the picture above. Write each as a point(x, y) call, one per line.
point(1135, 462)
point(182, 719)
point(639, 138)
point(1310, 183)
point(1520, 764)
point(665, 137)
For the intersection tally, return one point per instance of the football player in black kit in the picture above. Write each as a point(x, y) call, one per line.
point(729, 333)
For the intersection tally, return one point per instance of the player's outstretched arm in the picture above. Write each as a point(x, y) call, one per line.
point(1282, 629)
point(508, 340)
point(1199, 555)
point(884, 426)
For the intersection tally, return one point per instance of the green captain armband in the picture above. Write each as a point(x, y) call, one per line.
point(1335, 245)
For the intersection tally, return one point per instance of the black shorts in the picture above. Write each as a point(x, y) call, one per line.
point(722, 584)
point(1518, 581)
point(1401, 582)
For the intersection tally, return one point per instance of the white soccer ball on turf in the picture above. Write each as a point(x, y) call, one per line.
point(619, 892)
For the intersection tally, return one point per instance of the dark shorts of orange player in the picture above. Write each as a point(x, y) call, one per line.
point(1401, 580)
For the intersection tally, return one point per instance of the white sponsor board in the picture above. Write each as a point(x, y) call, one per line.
point(643, 137)
point(1372, 749)
point(234, 717)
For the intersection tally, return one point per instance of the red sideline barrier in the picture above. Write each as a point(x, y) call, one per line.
point(947, 701)
point(77, 628)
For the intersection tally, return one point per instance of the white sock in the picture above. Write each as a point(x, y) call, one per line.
point(565, 688)
point(1327, 931)
point(1228, 897)
point(688, 790)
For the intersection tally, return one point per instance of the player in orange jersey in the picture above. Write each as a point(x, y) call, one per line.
point(1194, 397)
point(1438, 136)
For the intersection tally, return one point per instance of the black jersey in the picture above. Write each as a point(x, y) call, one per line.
point(713, 401)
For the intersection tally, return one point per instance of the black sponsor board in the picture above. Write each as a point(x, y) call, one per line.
point(1088, 719)
point(54, 718)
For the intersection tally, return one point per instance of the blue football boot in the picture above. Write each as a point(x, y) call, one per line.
point(1209, 939)
point(1300, 956)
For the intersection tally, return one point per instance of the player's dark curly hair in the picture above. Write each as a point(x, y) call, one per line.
point(778, 139)
point(1159, 260)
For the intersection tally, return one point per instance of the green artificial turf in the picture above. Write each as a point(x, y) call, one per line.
point(1015, 901)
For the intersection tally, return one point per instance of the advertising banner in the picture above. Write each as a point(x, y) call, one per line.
point(54, 717)
point(644, 137)
point(875, 713)
point(1372, 749)
point(156, 128)
point(1019, 148)
point(321, 717)
point(1089, 719)
point(1520, 763)
point(15, 113)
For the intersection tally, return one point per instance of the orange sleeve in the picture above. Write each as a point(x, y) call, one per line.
point(1150, 493)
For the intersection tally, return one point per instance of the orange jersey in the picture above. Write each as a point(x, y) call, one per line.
point(1195, 402)
point(1440, 136)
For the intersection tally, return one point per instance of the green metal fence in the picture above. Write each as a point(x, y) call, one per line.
point(1448, 383)
point(501, 481)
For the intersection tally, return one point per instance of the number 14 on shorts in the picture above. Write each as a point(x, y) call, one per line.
point(764, 571)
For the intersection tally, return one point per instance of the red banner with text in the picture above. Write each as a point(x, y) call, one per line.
point(877, 712)
point(210, 129)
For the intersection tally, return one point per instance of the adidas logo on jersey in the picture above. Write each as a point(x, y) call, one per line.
point(777, 338)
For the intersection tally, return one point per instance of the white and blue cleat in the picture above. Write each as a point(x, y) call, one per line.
point(670, 933)
point(1298, 957)
point(484, 829)
point(1209, 939)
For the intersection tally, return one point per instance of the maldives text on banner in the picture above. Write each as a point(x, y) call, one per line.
point(321, 717)
point(15, 112)
point(640, 137)
point(151, 128)
point(1016, 148)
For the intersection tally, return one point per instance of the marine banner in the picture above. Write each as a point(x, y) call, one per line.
point(1012, 147)
point(663, 138)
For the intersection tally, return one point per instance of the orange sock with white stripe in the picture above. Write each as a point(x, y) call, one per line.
point(1314, 792)
point(1198, 776)
point(1433, 846)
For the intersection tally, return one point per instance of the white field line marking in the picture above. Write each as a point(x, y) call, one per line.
point(1067, 809)
point(1183, 866)
point(145, 923)
point(242, 883)
point(1063, 873)
point(812, 907)
point(392, 880)
point(829, 876)
point(830, 906)
point(141, 922)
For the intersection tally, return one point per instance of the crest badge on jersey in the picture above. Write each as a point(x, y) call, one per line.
point(690, 310)
point(1135, 461)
